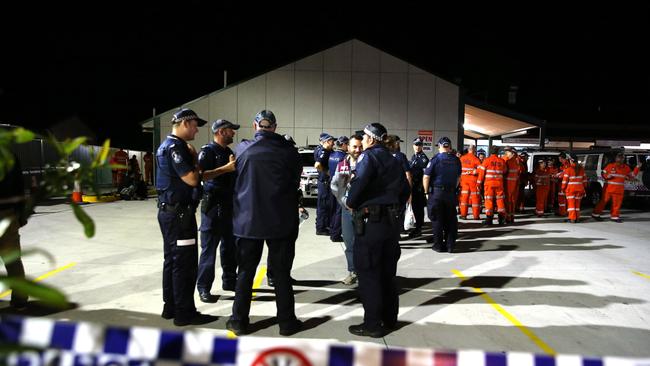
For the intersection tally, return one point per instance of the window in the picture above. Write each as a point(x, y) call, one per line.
point(592, 162)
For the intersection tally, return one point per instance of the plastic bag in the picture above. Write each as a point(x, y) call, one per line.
point(409, 217)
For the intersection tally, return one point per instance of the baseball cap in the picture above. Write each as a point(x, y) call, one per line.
point(222, 123)
point(265, 115)
point(444, 141)
point(375, 130)
point(418, 141)
point(186, 114)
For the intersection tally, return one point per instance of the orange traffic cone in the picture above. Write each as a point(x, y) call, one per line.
point(76, 193)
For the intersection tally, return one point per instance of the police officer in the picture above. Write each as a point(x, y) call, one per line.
point(176, 178)
point(441, 179)
point(377, 192)
point(324, 202)
point(339, 153)
point(419, 162)
point(266, 209)
point(481, 155)
point(217, 163)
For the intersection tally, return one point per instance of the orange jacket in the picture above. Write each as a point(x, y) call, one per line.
point(575, 179)
point(470, 164)
point(615, 176)
point(492, 171)
point(513, 169)
point(542, 177)
point(553, 172)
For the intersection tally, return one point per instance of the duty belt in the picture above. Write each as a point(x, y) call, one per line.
point(445, 188)
point(177, 207)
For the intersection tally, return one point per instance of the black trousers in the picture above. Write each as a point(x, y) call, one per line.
point(376, 253)
point(219, 231)
point(323, 206)
point(180, 261)
point(418, 203)
point(281, 254)
point(442, 213)
point(335, 220)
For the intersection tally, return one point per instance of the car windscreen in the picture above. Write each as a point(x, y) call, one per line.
point(307, 159)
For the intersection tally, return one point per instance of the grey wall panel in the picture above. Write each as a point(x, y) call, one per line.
point(415, 70)
point(364, 57)
point(421, 101)
point(251, 98)
point(339, 58)
point(280, 96)
point(289, 67)
point(304, 136)
point(365, 99)
point(311, 63)
point(446, 106)
point(309, 99)
point(390, 63)
point(245, 132)
point(392, 107)
point(223, 105)
point(337, 99)
point(336, 132)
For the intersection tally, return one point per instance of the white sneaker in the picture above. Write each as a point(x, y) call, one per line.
point(351, 279)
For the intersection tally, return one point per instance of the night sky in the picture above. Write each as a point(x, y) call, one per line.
point(581, 69)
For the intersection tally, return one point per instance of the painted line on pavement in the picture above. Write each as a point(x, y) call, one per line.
point(529, 333)
point(44, 276)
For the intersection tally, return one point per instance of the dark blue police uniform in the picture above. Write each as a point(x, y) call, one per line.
point(402, 160)
point(335, 221)
point(216, 221)
point(176, 216)
point(266, 209)
point(419, 162)
point(376, 194)
point(324, 201)
point(444, 171)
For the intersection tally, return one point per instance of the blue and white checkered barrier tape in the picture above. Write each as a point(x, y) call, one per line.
point(80, 344)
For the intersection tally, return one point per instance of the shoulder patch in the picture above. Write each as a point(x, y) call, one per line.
point(178, 158)
point(360, 158)
point(202, 155)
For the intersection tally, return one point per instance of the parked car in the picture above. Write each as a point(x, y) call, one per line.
point(309, 176)
point(595, 160)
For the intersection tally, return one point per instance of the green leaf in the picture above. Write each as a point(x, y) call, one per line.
point(103, 154)
point(47, 294)
point(70, 146)
point(22, 135)
point(84, 219)
point(57, 145)
point(118, 166)
point(15, 254)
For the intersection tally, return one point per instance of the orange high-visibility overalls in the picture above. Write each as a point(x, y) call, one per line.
point(574, 184)
point(490, 174)
point(468, 191)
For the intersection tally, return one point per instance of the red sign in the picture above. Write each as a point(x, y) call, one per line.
point(427, 137)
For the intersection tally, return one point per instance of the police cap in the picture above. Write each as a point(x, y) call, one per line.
point(325, 137)
point(481, 151)
point(186, 114)
point(375, 130)
point(222, 123)
point(265, 115)
point(418, 141)
point(444, 141)
point(342, 141)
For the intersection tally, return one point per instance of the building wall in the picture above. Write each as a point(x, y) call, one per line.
point(338, 91)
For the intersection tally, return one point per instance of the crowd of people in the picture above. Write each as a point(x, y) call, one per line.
point(366, 188)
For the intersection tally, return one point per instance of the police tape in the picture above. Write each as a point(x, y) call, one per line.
point(79, 344)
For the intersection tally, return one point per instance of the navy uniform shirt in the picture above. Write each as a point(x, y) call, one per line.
point(335, 157)
point(417, 165)
point(174, 160)
point(214, 156)
point(268, 177)
point(402, 159)
point(444, 170)
point(379, 180)
point(322, 156)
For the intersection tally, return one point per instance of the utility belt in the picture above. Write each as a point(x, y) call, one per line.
point(444, 188)
point(211, 200)
point(175, 208)
point(374, 213)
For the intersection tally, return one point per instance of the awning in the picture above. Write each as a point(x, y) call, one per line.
point(488, 121)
